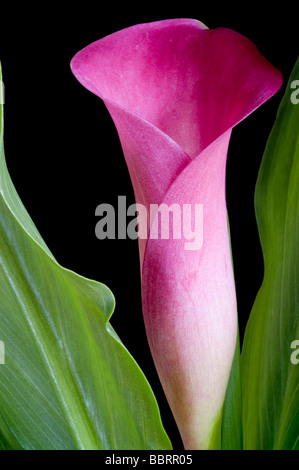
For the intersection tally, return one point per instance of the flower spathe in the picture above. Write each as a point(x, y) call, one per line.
point(175, 90)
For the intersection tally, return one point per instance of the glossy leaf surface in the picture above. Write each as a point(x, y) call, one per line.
point(270, 378)
point(67, 381)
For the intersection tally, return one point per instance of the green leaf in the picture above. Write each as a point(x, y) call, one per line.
point(231, 425)
point(270, 381)
point(231, 430)
point(67, 381)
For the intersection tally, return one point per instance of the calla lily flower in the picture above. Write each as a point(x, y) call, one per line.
point(175, 89)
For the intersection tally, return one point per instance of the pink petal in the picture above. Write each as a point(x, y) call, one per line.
point(175, 90)
point(189, 302)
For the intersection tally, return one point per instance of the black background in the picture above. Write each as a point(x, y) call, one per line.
point(65, 158)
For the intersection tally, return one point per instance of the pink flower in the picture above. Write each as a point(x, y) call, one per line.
point(175, 89)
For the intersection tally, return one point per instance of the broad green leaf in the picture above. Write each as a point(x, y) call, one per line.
point(270, 381)
point(67, 381)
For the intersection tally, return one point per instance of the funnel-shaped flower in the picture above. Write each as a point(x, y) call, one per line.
point(175, 89)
